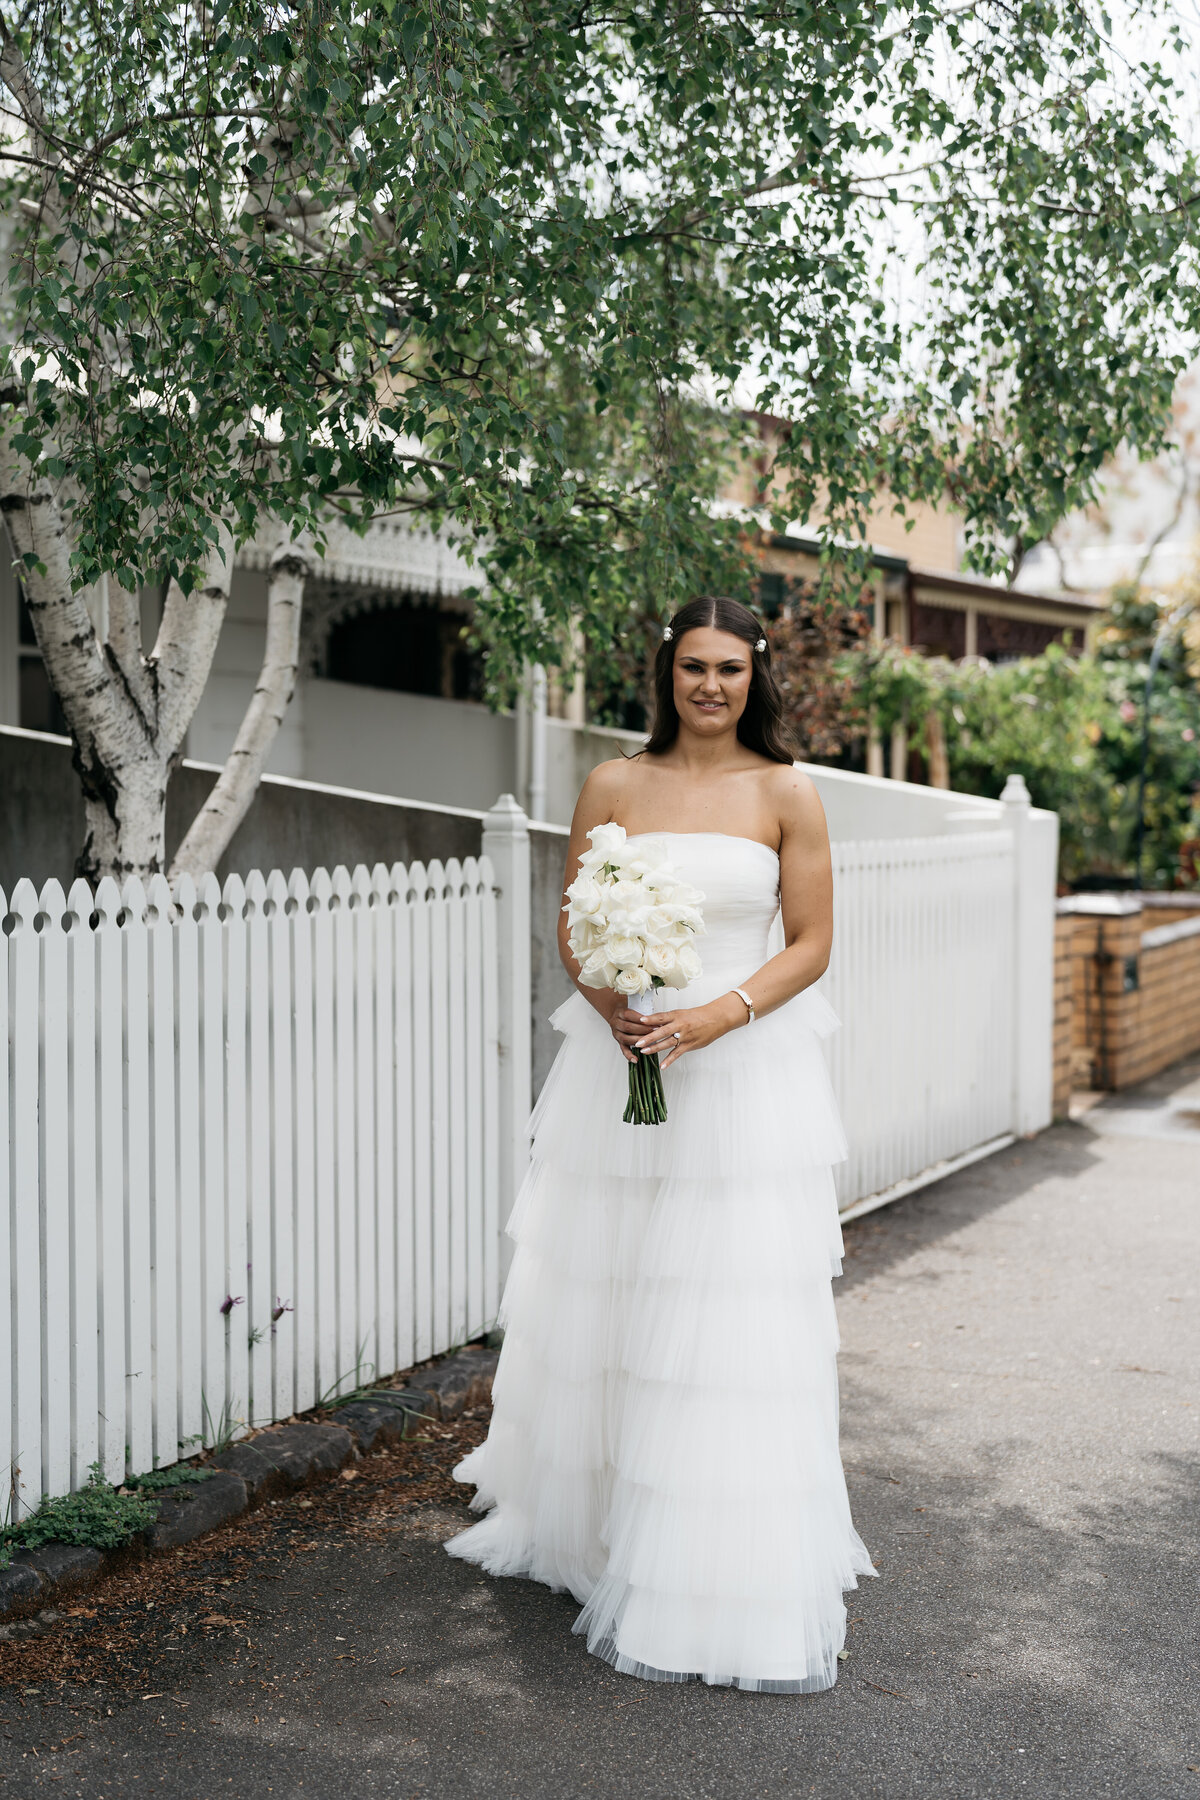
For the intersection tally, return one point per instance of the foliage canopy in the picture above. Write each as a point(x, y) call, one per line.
point(529, 270)
point(1073, 726)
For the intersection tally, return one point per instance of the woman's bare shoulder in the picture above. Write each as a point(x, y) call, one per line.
point(796, 802)
point(607, 785)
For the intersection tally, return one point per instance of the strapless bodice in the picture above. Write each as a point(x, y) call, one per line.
point(739, 878)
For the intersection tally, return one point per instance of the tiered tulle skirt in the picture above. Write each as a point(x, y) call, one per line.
point(664, 1443)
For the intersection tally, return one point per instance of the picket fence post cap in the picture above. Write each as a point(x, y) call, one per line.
point(506, 815)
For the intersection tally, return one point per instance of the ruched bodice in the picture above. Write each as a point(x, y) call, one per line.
point(666, 1276)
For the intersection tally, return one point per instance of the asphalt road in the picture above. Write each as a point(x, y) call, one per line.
point(1020, 1403)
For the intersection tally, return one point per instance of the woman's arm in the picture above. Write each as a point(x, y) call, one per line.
point(806, 903)
point(597, 804)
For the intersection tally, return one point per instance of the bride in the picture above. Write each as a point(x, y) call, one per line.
point(664, 1441)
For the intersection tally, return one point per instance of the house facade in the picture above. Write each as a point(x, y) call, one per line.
point(389, 697)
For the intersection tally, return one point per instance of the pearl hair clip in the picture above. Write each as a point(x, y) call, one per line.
point(668, 636)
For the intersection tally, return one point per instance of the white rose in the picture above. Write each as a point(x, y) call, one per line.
point(626, 952)
point(627, 893)
point(585, 936)
point(631, 982)
point(688, 962)
point(660, 960)
point(636, 868)
point(607, 841)
point(586, 899)
point(658, 923)
point(628, 921)
point(597, 971)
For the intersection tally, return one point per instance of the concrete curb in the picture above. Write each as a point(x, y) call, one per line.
point(276, 1461)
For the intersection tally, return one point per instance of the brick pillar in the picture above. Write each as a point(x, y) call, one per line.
point(1118, 979)
point(1064, 1013)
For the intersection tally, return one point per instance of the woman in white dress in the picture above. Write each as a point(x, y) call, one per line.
point(664, 1441)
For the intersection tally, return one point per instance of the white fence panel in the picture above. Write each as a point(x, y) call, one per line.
point(422, 1145)
point(285, 1206)
point(84, 1318)
point(922, 978)
point(139, 1287)
point(164, 1252)
point(257, 1142)
point(365, 1080)
point(406, 1112)
point(242, 1160)
point(189, 1138)
point(26, 1287)
point(54, 1153)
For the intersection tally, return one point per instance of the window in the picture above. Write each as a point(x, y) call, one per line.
point(772, 592)
point(939, 630)
point(1005, 640)
point(406, 648)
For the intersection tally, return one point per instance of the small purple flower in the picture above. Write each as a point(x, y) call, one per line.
point(228, 1304)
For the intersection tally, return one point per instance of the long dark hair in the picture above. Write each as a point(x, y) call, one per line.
point(762, 726)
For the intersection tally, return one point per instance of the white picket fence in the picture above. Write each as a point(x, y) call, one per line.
point(922, 978)
point(257, 1141)
point(249, 1152)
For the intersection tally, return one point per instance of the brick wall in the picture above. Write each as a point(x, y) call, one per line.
point(1064, 1008)
point(1130, 1005)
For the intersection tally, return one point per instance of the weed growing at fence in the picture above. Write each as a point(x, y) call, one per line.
point(98, 1515)
point(179, 1476)
point(220, 1432)
point(363, 1385)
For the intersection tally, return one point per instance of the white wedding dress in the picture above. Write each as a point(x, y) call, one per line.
point(664, 1442)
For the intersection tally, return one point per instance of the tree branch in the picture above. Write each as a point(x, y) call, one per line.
point(124, 648)
point(181, 660)
point(74, 662)
point(214, 825)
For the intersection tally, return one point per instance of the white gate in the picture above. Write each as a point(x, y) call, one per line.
point(250, 1152)
point(922, 976)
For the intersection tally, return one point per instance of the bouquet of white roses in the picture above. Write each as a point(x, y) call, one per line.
point(632, 921)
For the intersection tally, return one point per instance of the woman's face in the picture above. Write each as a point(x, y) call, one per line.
point(712, 674)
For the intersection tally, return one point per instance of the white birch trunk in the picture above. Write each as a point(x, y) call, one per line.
point(120, 764)
point(227, 805)
point(127, 712)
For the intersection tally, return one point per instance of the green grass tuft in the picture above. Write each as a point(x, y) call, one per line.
point(97, 1515)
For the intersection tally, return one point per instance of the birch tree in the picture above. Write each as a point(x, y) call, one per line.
point(528, 270)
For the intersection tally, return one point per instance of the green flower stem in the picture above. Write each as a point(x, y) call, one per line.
point(647, 1103)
